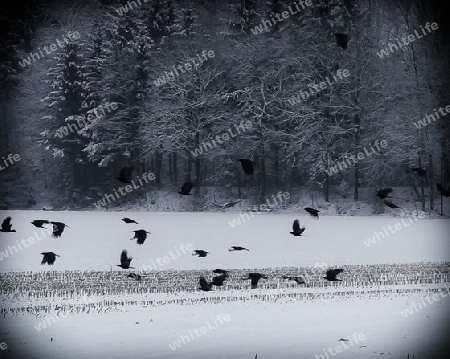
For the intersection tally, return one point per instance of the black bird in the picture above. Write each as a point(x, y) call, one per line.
point(296, 230)
point(237, 248)
point(128, 220)
point(134, 276)
point(226, 205)
point(39, 222)
point(125, 174)
point(219, 279)
point(299, 280)
point(186, 188)
point(204, 285)
point(443, 191)
point(247, 166)
point(420, 171)
point(200, 253)
point(58, 228)
point(332, 273)
point(49, 257)
point(6, 225)
point(255, 277)
point(384, 193)
point(341, 40)
point(390, 204)
point(125, 261)
point(141, 236)
point(220, 271)
point(313, 212)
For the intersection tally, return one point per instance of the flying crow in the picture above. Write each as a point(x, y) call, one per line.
point(58, 228)
point(6, 225)
point(141, 236)
point(341, 40)
point(204, 285)
point(237, 248)
point(200, 253)
point(49, 257)
point(39, 222)
point(296, 230)
point(255, 277)
point(128, 220)
point(313, 212)
point(384, 193)
point(125, 174)
point(219, 279)
point(125, 261)
point(420, 171)
point(247, 166)
point(186, 188)
point(134, 276)
point(331, 275)
point(443, 191)
point(220, 271)
point(390, 204)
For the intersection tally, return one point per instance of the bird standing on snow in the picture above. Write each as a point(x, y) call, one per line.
point(200, 253)
point(39, 222)
point(141, 236)
point(125, 261)
point(296, 230)
point(237, 248)
point(331, 275)
point(128, 220)
point(49, 257)
point(6, 225)
point(58, 228)
point(313, 212)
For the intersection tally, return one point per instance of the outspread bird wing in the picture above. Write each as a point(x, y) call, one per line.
point(332, 273)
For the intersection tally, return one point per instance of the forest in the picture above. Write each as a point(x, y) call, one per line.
point(326, 97)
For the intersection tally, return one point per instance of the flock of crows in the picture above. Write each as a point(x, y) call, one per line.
point(125, 176)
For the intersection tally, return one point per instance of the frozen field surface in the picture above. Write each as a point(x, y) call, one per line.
point(93, 312)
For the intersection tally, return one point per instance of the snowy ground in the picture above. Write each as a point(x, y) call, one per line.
point(297, 329)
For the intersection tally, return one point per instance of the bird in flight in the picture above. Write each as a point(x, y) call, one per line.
point(219, 279)
point(6, 225)
point(384, 193)
point(247, 166)
point(186, 188)
point(341, 40)
point(125, 175)
point(313, 212)
point(237, 248)
point(296, 230)
point(443, 191)
point(128, 220)
point(255, 277)
point(58, 228)
point(39, 222)
point(49, 257)
point(204, 285)
point(134, 276)
point(125, 261)
point(331, 275)
point(299, 280)
point(390, 204)
point(141, 236)
point(200, 253)
point(220, 271)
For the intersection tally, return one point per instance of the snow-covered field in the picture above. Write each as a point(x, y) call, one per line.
point(288, 328)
